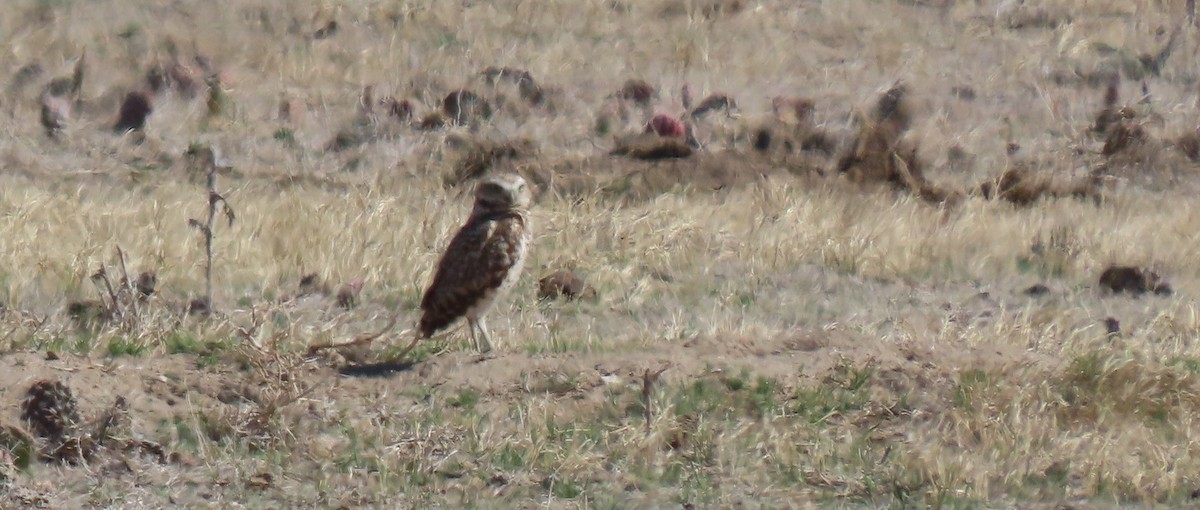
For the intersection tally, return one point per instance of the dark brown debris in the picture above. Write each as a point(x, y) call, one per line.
point(1019, 186)
point(198, 306)
point(400, 110)
point(963, 93)
point(1124, 136)
point(290, 110)
point(761, 141)
point(50, 409)
point(328, 30)
point(311, 284)
point(1112, 326)
point(717, 8)
point(88, 313)
point(1133, 280)
point(564, 284)
point(494, 75)
point(465, 107)
point(714, 102)
point(529, 90)
point(136, 107)
point(877, 153)
point(1037, 289)
point(174, 76)
point(347, 295)
point(638, 91)
point(1189, 145)
point(346, 138)
point(146, 282)
point(1109, 113)
point(432, 121)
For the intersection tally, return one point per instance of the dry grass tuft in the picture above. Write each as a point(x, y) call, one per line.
point(480, 156)
point(652, 147)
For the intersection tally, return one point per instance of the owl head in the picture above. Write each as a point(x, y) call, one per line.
point(499, 193)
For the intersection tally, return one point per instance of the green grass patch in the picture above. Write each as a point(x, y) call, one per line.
point(121, 346)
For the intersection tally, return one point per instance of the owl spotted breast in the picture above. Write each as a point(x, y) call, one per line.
point(482, 262)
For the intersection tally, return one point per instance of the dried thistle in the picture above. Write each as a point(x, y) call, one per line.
point(206, 228)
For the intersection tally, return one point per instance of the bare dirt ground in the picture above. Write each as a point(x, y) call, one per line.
point(875, 283)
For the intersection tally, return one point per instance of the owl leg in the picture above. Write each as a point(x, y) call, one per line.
point(471, 327)
point(485, 339)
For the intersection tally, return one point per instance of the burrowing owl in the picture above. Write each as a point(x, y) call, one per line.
point(482, 262)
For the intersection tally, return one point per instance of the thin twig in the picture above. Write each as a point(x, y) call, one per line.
point(128, 284)
point(208, 233)
point(102, 276)
point(249, 333)
point(206, 228)
point(365, 339)
point(648, 380)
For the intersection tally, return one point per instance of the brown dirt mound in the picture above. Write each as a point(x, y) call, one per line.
point(1020, 186)
point(652, 147)
point(879, 154)
point(1134, 280)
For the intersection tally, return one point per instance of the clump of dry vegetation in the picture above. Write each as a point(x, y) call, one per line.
point(740, 301)
point(1133, 280)
point(879, 153)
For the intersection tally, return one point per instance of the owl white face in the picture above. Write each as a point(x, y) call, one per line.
point(503, 193)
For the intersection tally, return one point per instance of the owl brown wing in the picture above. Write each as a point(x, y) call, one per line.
point(478, 259)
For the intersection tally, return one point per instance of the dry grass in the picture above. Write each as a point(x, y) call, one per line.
point(827, 343)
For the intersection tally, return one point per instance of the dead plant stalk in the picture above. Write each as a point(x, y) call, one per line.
point(206, 228)
point(648, 380)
